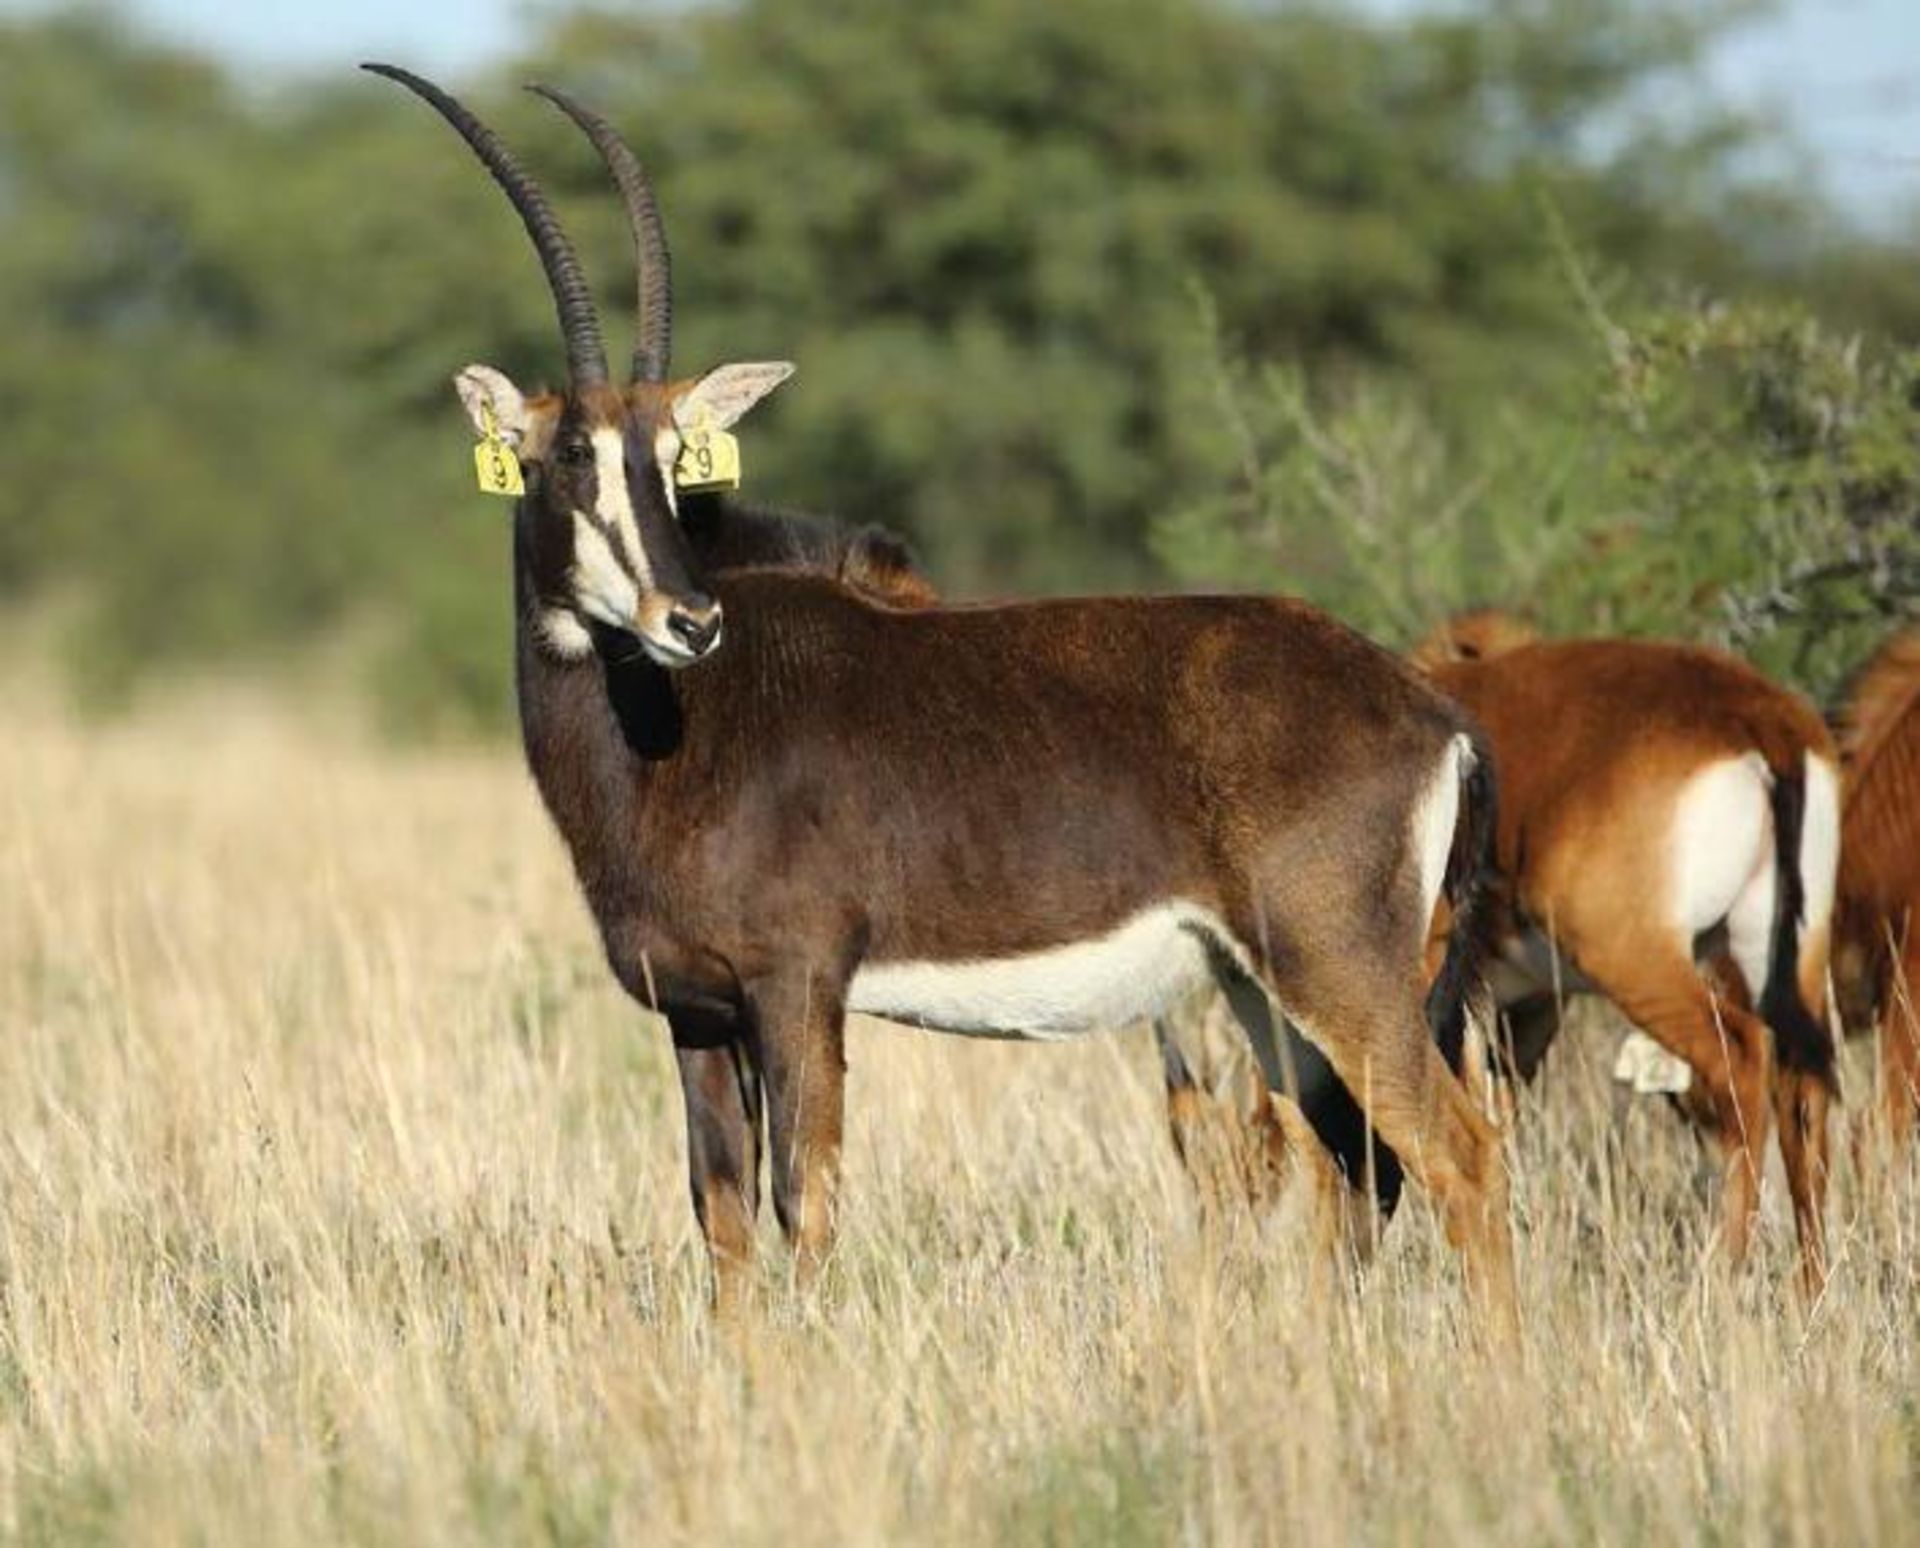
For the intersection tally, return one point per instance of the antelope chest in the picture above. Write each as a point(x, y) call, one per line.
point(1145, 966)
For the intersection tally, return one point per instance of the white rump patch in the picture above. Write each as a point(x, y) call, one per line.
point(1435, 818)
point(1820, 842)
point(1146, 966)
point(1722, 841)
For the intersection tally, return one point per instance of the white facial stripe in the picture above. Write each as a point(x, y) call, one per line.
point(614, 502)
point(602, 585)
point(666, 452)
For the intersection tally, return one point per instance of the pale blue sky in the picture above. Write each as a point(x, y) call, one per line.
point(1847, 71)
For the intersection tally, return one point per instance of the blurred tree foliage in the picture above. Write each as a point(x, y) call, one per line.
point(992, 233)
point(1735, 474)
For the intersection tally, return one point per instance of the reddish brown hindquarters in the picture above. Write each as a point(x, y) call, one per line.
point(1628, 771)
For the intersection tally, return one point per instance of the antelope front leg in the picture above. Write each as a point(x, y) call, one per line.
point(799, 1026)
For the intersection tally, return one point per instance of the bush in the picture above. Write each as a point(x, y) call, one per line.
point(1737, 474)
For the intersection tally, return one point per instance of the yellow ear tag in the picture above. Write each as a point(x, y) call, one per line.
point(709, 459)
point(494, 462)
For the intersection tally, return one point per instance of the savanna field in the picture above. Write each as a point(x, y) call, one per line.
point(341, 1199)
point(343, 1194)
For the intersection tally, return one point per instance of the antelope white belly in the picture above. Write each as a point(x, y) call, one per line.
point(1145, 966)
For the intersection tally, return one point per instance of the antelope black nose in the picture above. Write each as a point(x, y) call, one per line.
point(696, 624)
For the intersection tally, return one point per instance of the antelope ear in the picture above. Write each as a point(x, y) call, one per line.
point(726, 392)
point(496, 406)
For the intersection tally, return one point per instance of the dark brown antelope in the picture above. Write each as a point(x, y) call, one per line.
point(1661, 806)
point(1877, 960)
point(785, 800)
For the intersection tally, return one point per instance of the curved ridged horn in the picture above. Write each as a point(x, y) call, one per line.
point(653, 318)
point(572, 299)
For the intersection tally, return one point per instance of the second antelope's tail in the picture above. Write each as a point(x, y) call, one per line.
point(1804, 857)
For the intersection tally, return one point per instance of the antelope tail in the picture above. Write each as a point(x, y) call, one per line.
point(1459, 985)
point(1802, 1041)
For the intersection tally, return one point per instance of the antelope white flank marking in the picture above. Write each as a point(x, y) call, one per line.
point(1144, 967)
point(1434, 820)
point(1750, 923)
point(1721, 843)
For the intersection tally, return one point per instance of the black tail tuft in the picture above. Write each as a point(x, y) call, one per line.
point(1469, 881)
point(1802, 1040)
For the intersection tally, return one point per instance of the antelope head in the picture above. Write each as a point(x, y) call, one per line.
point(600, 517)
point(1473, 636)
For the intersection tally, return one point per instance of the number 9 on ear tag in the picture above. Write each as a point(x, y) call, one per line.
point(498, 469)
point(494, 463)
point(709, 459)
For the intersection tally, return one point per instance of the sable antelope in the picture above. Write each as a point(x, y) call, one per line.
point(1023, 820)
point(1661, 803)
point(1877, 961)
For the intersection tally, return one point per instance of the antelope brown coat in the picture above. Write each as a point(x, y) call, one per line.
point(1658, 802)
point(1041, 818)
point(1877, 966)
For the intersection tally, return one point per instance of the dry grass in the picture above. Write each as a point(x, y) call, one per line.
point(340, 1199)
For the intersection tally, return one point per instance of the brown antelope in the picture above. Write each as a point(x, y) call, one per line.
point(1661, 803)
point(1877, 960)
point(1024, 820)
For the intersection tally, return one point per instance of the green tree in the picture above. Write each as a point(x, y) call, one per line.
point(977, 226)
point(231, 307)
point(1736, 474)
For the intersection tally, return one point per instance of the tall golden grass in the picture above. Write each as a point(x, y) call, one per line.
point(341, 1200)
